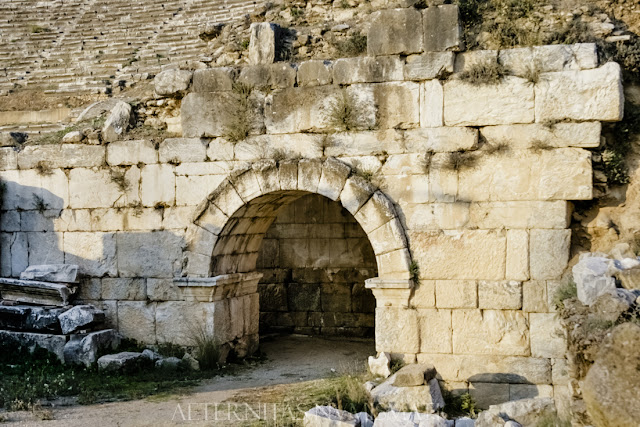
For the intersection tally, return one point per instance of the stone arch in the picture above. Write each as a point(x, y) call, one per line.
point(228, 227)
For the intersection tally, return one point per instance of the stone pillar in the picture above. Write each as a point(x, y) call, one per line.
point(263, 43)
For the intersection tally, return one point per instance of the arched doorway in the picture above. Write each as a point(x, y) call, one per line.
point(225, 240)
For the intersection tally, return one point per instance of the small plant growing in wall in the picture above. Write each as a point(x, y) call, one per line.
point(614, 167)
point(39, 204)
point(240, 113)
point(538, 146)
point(344, 113)
point(532, 73)
point(459, 160)
point(497, 148)
point(414, 272)
point(118, 177)
point(484, 73)
point(43, 168)
point(354, 45)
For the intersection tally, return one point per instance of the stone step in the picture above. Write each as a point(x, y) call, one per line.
point(36, 292)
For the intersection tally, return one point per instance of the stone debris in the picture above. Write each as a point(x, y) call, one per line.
point(83, 349)
point(527, 412)
point(30, 318)
point(124, 361)
point(264, 42)
point(35, 292)
point(151, 355)
point(191, 362)
point(80, 317)
point(29, 340)
point(328, 416)
point(465, 422)
point(364, 419)
point(596, 275)
point(172, 83)
point(60, 273)
point(380, 366)
point(411, 419)
point(73, 137)
point(414, 375)
point(168, 363)
point(426, 398)
point(117, 123)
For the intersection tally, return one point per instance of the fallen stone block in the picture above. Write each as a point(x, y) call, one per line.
point(592, 279)
point(172, 83)
point(73, 137)
point(328, 416)
point(63, 273)
point(263, 43)
point(80, 317)
point(117, 123)
point(168, 363)
point(424, 398)
point(613, 304)
point(125, 361)
point(30, 318)
point(414, 375)
point(52, 343)
point(35, 292)
point(379, 366)
point(527, 412)
point(83, 349)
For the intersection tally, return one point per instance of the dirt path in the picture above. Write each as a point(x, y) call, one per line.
point(290, 359)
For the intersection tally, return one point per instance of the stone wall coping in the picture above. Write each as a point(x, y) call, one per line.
point(379, 283)
point(220, 280)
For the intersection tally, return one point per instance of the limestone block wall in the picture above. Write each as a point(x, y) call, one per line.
point(464, 192)
point(315, 259)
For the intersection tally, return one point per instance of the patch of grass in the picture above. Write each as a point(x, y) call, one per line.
point(553, 421)
point(344, 114)
point(395, 366)
point(532, 73)
point(297, 12)
point(278, 155)
point(56, 137)
point(39, 204)
point(37, 29)
point(564, 292)
point(354, 45)
point(484, 73)
point(207, 349)
point(538, 146)
point(43, 168)
point(240, 113)
point(615, 167)
point(497, 148)
point(428, 159)
point(460, 160)
point(138, 209)
point(171, 350)
point(458, 405)
point(118, 177)
point(244, 44)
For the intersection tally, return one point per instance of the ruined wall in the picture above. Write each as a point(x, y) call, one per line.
point(315, 259)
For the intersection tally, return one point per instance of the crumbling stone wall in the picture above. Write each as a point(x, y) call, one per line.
point(315, 259)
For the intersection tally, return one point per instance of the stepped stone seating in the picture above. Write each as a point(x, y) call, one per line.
point(57, 45)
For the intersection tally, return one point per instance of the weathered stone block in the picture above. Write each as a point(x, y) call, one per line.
point(193, 189)
point(356, 192)
point(424, 294)
point(315, 73)
point(157, 185)
point(328, 416)
point(393, 31)
point(22, 187)
point(206, 114)
point(466, 60)
point(517, 255)
point(94, 253)
point(61, 156)
point(54, 343)
point(558, 135)
point(435, 331)
point(80, 317)
point(581, 95)
point(520, 214)
point(487, 394)
point(155, 254)
point(388, 237)
point(441, 139)
point(162, 290)
point(442, 30)
point(117, 122)
point(213, 79)
point(124, 289)
point(398, 105)
point(131, 153)
point(182, 322)
point(534, 296)
point(510, 101)
point(549, 253)
point(547, 336)
point(580, 56)
point(84, 349)
point(263, 42)
point(136, 320)
point(438, 254)
point(529, 391)
point(500, 295)
point(429, 65)
point(367, 70)
point(92, 188)
point(490, 332)
point(300, 109)
point(397, 330)
point(456, 294)
point(183, 150)
point(431, 104)
point(334, 176)
point(8, 159)
point(172, 82)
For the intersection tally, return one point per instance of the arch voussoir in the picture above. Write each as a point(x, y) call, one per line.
point(334, 175)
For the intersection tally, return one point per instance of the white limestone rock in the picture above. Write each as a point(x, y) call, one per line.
point(364, 419)
point(191, 362)
point(168, 363)
point(379, 366)
point(80, 317)
point(73, 137)
point(465, 422)
point(263, 43)
point(62, 273)
point(393, 31)
point(172, 83)
point(117, 123)
point(328, 416)
point(426, 398)
point(591, 278)
point(83, 349)
point(411, 419)
point(414, 375)
point(119, 361)
point(527, 412)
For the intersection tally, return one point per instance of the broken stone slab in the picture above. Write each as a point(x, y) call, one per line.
point(263, 43)
point(124, 361)
point(172, 83)
point(425, 398)
point(117, 123)
point(83, 349)
point(36, 292)
point(411, 419)
point(414, 375)
point(30, 318)
point(80, 317)
point(328, 416)
point(168, 363)
point(591, 277)
point(379, 366)
point(60, 273)
point(527, 412)
point(29, 340)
